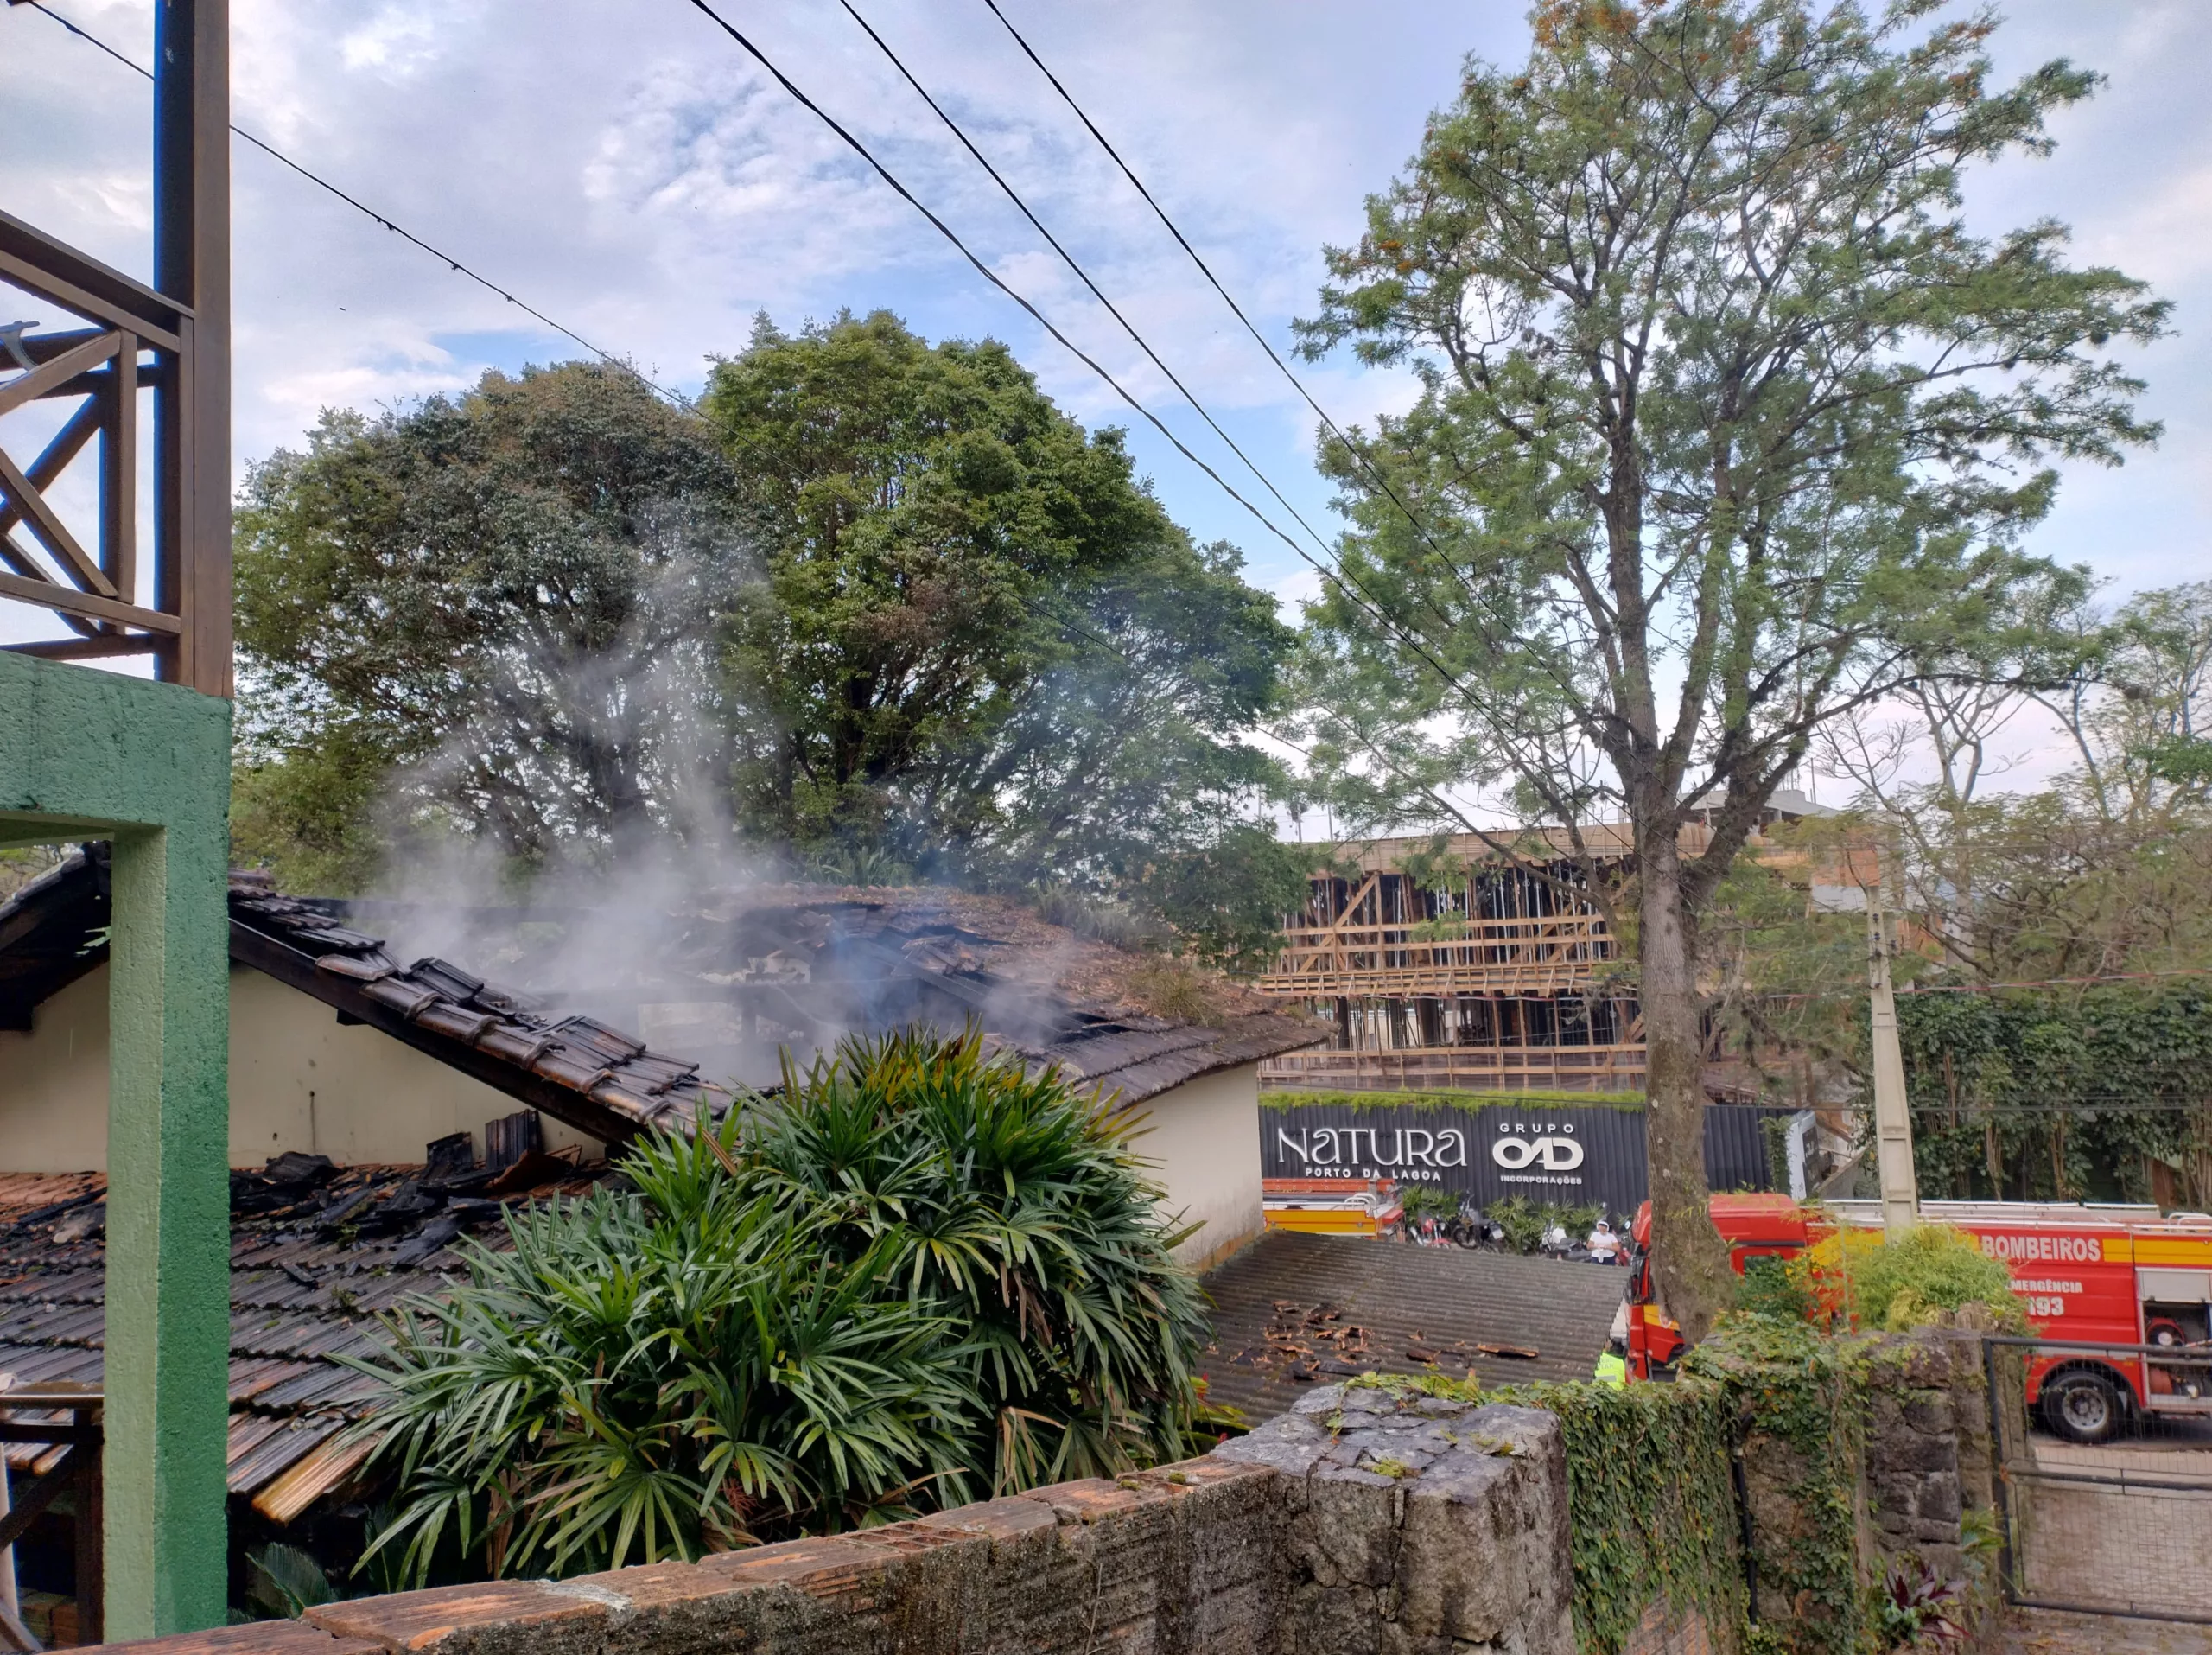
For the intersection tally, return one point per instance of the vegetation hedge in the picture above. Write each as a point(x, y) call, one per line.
point(1300, 1099)
point(1924, 1278)
point(1651, 1503)
point(2057, 1093)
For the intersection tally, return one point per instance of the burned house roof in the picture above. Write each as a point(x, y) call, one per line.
point(316, 1252)
point(596, 1079)
point(756, 970)
point(801, 963)
point(578, 1070)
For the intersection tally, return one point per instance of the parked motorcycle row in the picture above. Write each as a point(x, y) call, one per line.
point(1472, 1229)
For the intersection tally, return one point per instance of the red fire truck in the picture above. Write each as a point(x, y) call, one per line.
point(2083, 1274)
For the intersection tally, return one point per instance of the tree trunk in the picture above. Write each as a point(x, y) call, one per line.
point(1689, 1261)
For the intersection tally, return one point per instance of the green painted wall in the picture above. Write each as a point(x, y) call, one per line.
point(93, 755)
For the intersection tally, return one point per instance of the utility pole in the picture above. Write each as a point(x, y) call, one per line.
point(1892, 1121)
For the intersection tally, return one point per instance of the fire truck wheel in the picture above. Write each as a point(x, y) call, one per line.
point(2083, 1406)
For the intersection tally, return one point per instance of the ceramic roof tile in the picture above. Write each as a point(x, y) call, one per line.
point(290, 1393)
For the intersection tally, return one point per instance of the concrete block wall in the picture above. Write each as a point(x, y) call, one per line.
point(1361, 1525)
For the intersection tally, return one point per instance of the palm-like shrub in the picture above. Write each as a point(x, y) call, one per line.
point(914, 1277)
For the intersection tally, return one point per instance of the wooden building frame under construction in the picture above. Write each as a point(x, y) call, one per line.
point(1495, 976)
point(1482, 972)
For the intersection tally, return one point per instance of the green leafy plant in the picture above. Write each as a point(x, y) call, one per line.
point(1578, 1218)
point(1917, 1608)
point(916, 1278)
point(1926, 1277)
point(1651, 1504)
point(1522, 1219)
point(1525, 1222)
point(1768, 1289)
point(1808, 1392)
point(1317, 1098)
point(2067, 1093)
point(1429, 1201)
point(1419, 1384)
point(286, 1581)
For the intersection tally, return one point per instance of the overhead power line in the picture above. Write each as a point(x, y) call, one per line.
point(1142, 344)
point(676, 398)
point(1358, 454)
point(1994, 988)
point(1081, 274)
point(1349, 585)
point(321, 182)
point(1361, 597)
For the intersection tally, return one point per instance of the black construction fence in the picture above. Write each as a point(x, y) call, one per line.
point(1570, 1154)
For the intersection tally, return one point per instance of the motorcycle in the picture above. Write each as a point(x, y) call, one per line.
point(1473, 1231)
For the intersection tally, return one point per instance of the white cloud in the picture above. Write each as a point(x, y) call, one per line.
point(629, 171)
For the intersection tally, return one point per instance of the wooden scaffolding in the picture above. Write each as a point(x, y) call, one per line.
point(1500, 977)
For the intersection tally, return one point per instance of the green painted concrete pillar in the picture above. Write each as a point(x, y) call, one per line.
point(90, 755)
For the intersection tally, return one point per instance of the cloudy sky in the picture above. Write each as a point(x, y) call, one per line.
point(625, 169)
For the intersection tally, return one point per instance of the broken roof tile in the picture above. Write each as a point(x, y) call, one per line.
point(446, 978)
point(589, 1035)
point(456, 1022)
point(291, 1391)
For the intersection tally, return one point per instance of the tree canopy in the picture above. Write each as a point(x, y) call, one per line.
point(1729, 424)
point(884, 611)
point(493, 612)
point(982, 640)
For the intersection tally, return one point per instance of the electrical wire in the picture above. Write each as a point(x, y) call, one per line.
point(1349, 585)
point(1361, 598)
point(1992, 988)
point(685, 402)
point(1359, 454)
point(1500, 625)
point(1081, 274)
point(460, 269)
point(1129, 327)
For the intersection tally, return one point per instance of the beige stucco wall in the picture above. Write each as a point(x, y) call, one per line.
point(1203, 1139)
point(299, 1080)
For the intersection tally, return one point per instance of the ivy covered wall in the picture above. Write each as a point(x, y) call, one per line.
point(2064, 1093)
point(1812, 1466)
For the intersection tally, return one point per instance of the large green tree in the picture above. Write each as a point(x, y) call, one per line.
point(1728, 425)
point(885, 611)
point(983, 645)
point(493, 612)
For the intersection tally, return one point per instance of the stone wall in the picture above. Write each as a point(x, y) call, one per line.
point(1898, 1467)
point(1361, 1525)
point(1928, 1453)
point(1417, 1525)
point(1367, 1521)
